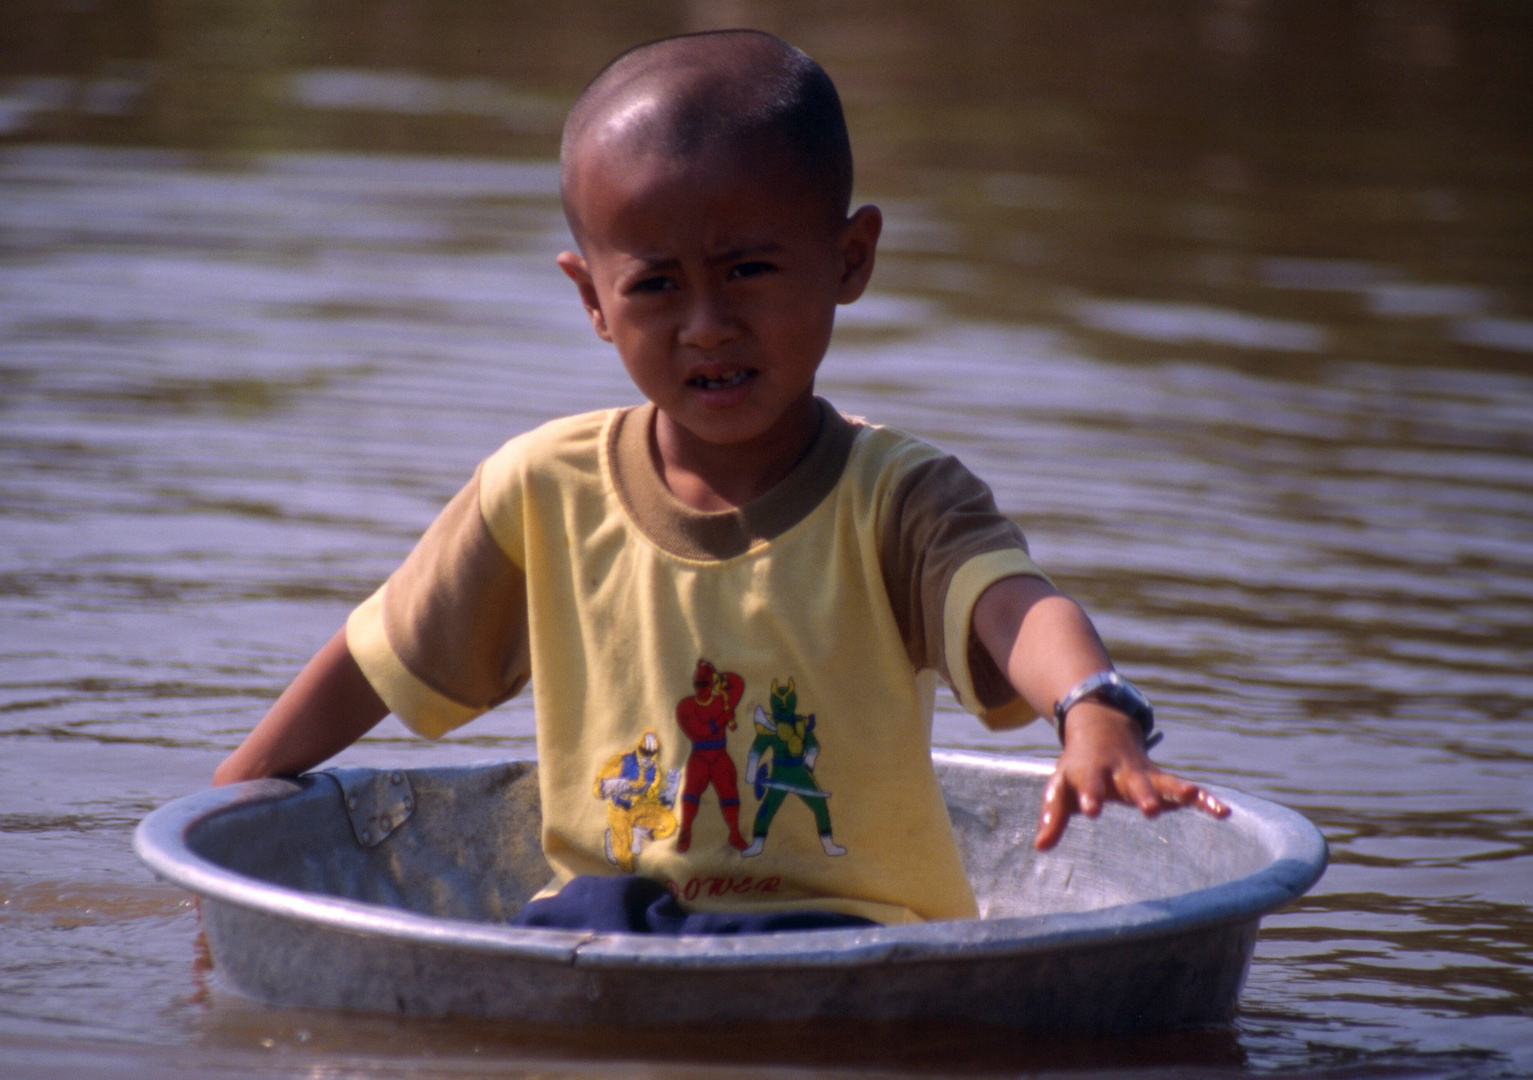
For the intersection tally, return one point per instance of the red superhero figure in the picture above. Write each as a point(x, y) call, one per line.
point(705, 717)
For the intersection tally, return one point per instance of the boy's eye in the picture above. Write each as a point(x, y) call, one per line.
point(658, 283)
point(750, 269)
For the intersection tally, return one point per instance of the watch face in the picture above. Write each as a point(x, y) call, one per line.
point(1110, 688)
point(1126, 696)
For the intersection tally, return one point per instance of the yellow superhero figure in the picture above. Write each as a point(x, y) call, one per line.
point(638, 807)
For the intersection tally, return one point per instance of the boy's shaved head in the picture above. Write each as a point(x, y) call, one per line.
point(731, 90)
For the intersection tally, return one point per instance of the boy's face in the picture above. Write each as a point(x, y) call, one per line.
point(717, 279)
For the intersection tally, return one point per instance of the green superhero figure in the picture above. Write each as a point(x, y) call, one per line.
point(788, 740)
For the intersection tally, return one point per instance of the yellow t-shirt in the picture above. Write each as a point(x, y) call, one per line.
point(566, 561)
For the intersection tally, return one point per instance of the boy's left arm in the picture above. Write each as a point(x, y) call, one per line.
point(1046, 645)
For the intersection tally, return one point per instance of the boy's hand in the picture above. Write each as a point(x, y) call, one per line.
point(1104, 758)
point(1045, 644)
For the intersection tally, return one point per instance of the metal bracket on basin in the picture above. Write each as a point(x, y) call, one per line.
point(378, 801)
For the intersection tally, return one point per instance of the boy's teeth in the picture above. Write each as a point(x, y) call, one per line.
point(723, 382)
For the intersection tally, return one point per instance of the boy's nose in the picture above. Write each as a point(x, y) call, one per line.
point(708, 322)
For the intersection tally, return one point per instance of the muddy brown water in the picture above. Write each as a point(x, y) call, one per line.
point(1230, 302)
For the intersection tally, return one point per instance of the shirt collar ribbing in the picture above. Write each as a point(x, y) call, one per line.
point(723, 534)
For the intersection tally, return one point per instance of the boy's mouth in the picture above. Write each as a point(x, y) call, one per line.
point(720, 382)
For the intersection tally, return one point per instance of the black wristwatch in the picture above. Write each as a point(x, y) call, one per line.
point(1110, 688)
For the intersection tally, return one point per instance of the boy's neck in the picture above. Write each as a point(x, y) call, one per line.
point(710, 477)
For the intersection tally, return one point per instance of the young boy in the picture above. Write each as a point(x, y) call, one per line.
point(733, 602)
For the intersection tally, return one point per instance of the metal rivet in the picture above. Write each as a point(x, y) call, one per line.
point(367, 837)
point(397, 778)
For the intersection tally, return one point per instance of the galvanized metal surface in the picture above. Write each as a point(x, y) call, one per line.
point(378, 801)
point(1128, 924)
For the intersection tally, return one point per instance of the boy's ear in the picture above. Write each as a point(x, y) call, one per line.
point(859, 241)
point(575, 268)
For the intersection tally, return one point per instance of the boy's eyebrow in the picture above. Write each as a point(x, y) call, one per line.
point(766, 247)
point(747, 251)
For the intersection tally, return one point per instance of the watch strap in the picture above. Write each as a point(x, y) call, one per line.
point(1112, 689)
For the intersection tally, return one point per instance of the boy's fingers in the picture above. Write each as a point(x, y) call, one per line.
point(1054, 815)
point(1210, 805)
point(1151, 792)
point(1178, 792)
point(1090, 794)
point(1058, 804)
point(1139, 789)
point(1174, 791)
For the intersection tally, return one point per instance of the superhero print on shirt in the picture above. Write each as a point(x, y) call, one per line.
point(638, 801)
point(707, 715)
point(781, 763)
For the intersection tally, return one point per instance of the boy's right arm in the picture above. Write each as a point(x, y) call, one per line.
point(329, 706)
point(1046, 644)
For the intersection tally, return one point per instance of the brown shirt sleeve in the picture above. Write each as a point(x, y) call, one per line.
point(939, 517)
point(455, 612)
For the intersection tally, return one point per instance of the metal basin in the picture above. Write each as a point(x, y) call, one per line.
point(385, 890)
